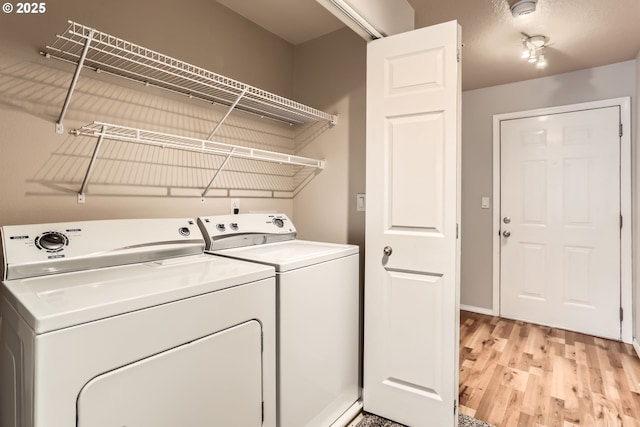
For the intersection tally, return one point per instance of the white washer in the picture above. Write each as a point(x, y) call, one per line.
point(318, 314)
point(129, 323)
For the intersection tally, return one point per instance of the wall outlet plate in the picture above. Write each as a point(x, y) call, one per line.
point(235, 206)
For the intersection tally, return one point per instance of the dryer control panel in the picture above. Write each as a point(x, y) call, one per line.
point(43, 249)
point(232, 231)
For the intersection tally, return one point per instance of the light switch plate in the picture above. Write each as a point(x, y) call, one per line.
point(361, 202)
point(485, 203)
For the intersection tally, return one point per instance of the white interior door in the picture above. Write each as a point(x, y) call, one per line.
point(411, 272)
point(560, 208)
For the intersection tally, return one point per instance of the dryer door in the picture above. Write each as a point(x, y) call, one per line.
point(213, 381)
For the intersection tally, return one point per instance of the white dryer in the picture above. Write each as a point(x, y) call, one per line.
point(318, 314)
point(129, 323)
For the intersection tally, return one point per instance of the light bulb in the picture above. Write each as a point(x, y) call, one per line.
point(542, 62)
point(525, 53)
point(532, 57)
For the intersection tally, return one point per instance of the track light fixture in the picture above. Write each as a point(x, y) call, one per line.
point(533, 50)
point(523, 7)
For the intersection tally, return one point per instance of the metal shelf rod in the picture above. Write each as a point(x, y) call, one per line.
point(85, 181)
point(231, 107)
point(74, 80)
point(224, 163)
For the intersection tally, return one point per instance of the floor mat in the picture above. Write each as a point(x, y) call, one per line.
point(371, 420)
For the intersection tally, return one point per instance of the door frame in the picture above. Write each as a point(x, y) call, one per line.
point(626, 290)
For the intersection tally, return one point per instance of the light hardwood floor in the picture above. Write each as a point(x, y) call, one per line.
point(515, 374)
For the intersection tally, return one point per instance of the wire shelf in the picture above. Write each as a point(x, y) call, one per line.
point(102, 52)
point(165, 140)
point(108, 131)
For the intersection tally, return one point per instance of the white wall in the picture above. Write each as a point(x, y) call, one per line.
point(330, 72)
point(40, 171)
point(478, 108)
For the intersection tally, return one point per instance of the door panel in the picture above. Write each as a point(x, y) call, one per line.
point(401, 75)
point(411, 271)
point(560, 188)
point(415, 163)
point(534, 261)
point(407, 295)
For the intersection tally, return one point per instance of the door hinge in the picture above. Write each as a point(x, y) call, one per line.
point(620, 221)
point(457, 233)
point(455, 406)
point(621, 314)
point(458, 55)
point(621, 130)
point(263, 411)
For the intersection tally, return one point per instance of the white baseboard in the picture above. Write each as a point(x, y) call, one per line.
point(479, 310)
point(636, 347)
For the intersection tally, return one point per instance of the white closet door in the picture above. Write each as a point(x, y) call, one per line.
point(412, 263)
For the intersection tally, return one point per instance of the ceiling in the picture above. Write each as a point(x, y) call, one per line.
point(581, 33)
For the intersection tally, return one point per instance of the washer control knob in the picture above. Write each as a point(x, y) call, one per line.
point(51, 241)
point(278, 222)
point(221, 227)
point(234, 226)
point(184, 231)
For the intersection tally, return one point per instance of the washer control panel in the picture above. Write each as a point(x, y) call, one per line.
point(246, 223)
point(225, 231)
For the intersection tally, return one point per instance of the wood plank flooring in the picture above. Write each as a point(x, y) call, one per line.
point(515, 374)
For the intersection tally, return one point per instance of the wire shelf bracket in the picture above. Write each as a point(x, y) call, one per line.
point(105, 131)
point(90, 48)
point(231, 107)
point(92, 162)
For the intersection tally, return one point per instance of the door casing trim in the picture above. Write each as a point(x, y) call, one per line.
point(626, 243)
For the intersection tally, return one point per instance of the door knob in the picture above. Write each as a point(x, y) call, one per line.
point(506, 233)
point(506, 220)
point(387, 250)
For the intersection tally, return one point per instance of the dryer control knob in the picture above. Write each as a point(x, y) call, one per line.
point(221, 227)
point(51, 241)
point(278, 222)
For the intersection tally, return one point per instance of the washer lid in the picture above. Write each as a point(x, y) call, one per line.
point(58, 301)
point(292, 254)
